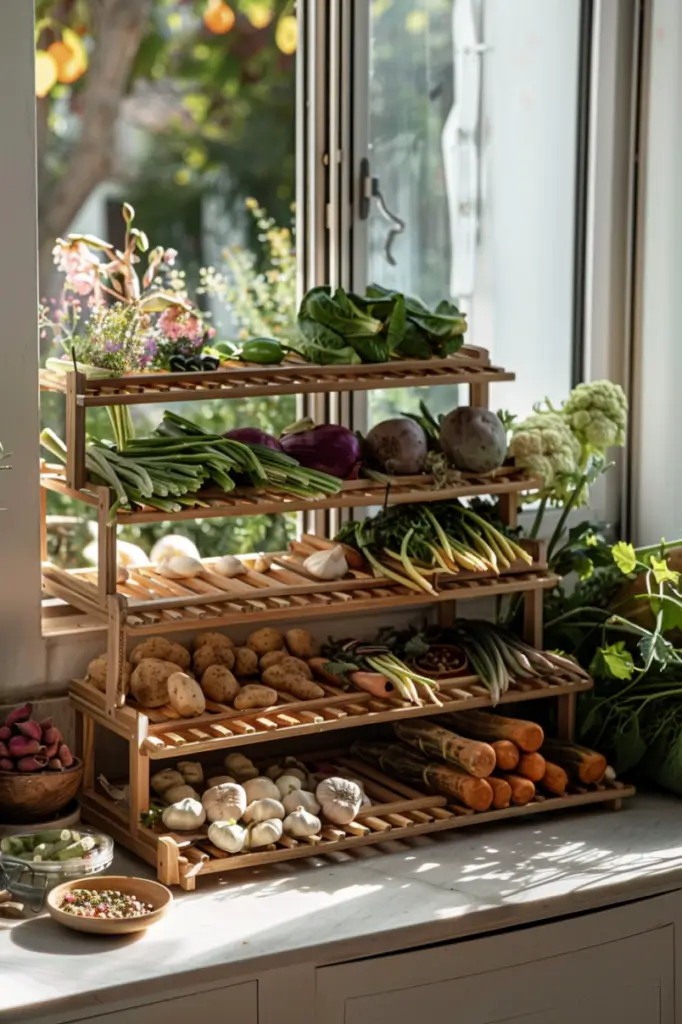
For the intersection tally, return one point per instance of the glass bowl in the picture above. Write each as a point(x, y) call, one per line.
point(31, 879)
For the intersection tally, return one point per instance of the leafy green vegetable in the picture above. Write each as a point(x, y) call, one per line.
point(624, 556)
point(372, 349)
point(613, 662)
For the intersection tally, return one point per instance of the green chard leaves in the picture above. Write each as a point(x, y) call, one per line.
point(343, 328)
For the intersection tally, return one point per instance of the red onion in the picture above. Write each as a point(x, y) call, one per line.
point(251, 435)
point(330, 448)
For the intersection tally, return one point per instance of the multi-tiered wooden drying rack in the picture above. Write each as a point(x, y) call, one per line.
point(147, 603)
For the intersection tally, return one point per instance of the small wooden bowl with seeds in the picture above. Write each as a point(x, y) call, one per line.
point(109, 904)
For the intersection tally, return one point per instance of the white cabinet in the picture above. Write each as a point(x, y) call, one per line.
point(233, 1004)
point(616, 965)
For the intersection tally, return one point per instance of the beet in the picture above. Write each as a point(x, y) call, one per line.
point(397, 446)
point(473, 439)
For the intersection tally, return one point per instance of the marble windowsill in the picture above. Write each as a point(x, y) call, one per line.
point(437, 889)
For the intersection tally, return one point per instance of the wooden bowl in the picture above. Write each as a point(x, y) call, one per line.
point(34, 796)
point(154, 893)
point(451, 673)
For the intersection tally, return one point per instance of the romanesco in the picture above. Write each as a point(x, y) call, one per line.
point(597, 414)
point(544, 445)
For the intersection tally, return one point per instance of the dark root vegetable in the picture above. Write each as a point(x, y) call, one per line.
point(473, 440)
point(6, 765)
point(397, 446)
point(251, 435)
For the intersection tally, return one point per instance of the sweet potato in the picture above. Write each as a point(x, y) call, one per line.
point(522, 790)
point(473, 756)
point(555, 779)
point(507, 755)
point(531, 766)
point(484, 725)
point(501, 792)
point(584, 765)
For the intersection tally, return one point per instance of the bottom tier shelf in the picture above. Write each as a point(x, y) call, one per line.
point(399, 813)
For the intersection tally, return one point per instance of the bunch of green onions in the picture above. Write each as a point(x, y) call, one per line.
point(354, 656)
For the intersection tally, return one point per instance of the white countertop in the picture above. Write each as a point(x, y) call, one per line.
point(438, 888)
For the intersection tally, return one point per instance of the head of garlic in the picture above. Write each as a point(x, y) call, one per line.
point(329, 564)
point(178, 567)
point(301, 823)
point(228, 565)
point(170, 545)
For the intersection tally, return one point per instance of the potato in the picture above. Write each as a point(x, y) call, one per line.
point(245, 662)
point(255, 696)
point(265, 640)
point(182, 792)
point(97, 673)
point(154, 647)
point(296, 667)
point(185, 695)
point(297, 685)
point(219, 684)
point(209, 655)
point(179, 655)
point(212, 639)
point(272, 658)
point(149, 682)
point(300, 643)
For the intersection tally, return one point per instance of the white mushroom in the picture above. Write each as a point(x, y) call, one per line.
point(340, 800)
point(301, 823)
point(227, 836)
point(264, 833)
point(262, 810)
point(184, 816)
point(228, 565)
point(179, 567)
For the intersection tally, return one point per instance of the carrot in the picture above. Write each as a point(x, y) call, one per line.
point(407, 765)
point(501, 792)
point(555, 779)
point(587, 766)
point(532, 766)
point(522, 790)
point(506, 755)
point(374, 683)
point(476, 758)
point(482, 725)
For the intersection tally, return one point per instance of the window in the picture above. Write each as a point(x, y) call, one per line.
point(197, 90)
point(473, 138)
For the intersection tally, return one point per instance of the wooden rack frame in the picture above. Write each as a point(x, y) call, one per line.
point(144, 606)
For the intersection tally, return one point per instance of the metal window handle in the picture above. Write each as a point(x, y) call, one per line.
point(371, 189)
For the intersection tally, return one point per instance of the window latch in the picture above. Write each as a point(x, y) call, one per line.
point(370, 189)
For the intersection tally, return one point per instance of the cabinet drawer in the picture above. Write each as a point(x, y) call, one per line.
point(231, 1004)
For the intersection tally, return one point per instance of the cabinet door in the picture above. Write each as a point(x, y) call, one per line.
point(578, 971)
point(233, 1004)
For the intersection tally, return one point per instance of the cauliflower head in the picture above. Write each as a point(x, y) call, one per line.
point(544, 445)
point(597, 414)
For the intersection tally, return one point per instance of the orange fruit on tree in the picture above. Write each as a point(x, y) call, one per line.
point(69, 65)
point(219, 17)
point(46, 73)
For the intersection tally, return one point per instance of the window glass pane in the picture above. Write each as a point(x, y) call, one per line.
point(201, 96)
point(473, 133)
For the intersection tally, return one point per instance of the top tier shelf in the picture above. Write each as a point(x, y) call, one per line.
point(470, 365)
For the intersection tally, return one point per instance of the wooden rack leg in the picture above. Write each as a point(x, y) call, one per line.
point(566, 710)
point(167, 861)
point(138, 773)
point(43, 524)
point(532, 617)
point(75, 431)
point(88, 751)
point(509, 507)
point(107, 568)
point(479, 395)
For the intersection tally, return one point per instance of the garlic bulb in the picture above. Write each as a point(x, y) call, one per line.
point(262, 563)
point(179, 567)
point(340, 800)
point(300, 798)
point(301, 823)
point(228, 565)
point(227, 836)
point(169, 546)
point(330, 564)
point(261, 788)
point(264, 833)
point(285, 784)
point(263, 810)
